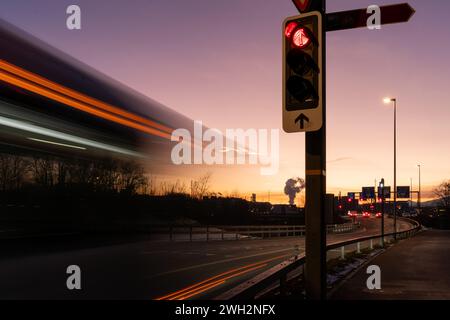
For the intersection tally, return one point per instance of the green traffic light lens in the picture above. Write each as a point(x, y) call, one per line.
point(301, 62)
point(301, 89)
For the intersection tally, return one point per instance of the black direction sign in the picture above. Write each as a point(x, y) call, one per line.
point(301, 119)
point(403, 192)
point(368, 193)
point(352, 19)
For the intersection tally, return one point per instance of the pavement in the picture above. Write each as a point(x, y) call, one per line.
point(150, 269)
point(413, 269)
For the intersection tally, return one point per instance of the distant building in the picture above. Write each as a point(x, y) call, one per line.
point(285, 209)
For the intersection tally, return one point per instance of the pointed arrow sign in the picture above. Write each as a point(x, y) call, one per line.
point(352, 19)
point(302, 118)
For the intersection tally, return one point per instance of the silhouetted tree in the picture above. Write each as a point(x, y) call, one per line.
point(131, 177)
point(13, 170)
point(200, 187)
point(43, 171)
point(443, 192)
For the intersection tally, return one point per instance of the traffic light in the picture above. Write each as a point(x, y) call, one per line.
point(302, 62)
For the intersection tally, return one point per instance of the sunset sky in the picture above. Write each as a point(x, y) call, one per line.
point(220, 62)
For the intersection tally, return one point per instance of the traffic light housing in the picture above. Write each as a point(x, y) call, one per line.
point(302, 64)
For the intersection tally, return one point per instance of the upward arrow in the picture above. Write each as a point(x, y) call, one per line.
point(302, 118)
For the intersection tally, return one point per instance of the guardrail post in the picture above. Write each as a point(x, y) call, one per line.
point(342, 253)
point(190, 233)
point(223, 235)
point(358, 248)
point(371, 244)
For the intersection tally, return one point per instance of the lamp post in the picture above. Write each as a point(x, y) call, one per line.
point(381, 195)
point(419, 196)
point(411, 196)
point(394, 100)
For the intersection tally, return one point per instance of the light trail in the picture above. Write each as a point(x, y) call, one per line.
point(57, 143)
point(216, 280)
point(30, 128)
point(41, 86)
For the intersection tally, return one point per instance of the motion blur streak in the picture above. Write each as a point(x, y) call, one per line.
point(196, 292)
point(217, 280)
point(27, 85)
point(64, 136)
point(76, 95)
point(199, 290)
point(57, 143)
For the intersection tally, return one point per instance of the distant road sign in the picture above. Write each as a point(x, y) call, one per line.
point(403, 192)
point(386, 192)
point(368, 193)
point(352, 19)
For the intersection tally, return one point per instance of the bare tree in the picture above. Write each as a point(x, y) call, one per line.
point(171, 188)
point(13, 170)
point(443, 192)
point(132, 177)
point(44, 171)
point(201, 186)
point(151, 185)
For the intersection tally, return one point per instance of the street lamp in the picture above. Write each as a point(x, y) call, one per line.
point(419, 196)
point(381, 195)
point(394, 101)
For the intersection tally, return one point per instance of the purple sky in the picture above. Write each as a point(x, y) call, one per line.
point(220, 62)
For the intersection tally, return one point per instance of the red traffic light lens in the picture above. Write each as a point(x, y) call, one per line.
point(301, 38)
point(290, 29)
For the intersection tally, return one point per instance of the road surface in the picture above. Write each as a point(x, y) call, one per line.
point(152, 269)
point(414, 269)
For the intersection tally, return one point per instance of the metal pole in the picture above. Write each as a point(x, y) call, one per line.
point(382, 221)
point(395, 169)
point(315, 165)
point(381, 190)
point(419, 197)
point(410, 196)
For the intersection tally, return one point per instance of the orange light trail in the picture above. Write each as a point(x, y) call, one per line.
point(219, 282)
point(39, 85)
point(216, 280)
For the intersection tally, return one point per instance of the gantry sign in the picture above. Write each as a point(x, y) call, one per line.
point(304, 109)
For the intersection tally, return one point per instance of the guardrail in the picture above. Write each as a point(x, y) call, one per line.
point(278, 275)
point(208, 233)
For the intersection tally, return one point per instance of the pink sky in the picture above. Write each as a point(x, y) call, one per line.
point(220, 62)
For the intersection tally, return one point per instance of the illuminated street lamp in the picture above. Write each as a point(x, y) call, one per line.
point(381, 195)
point(394, 101)
point(419, 196)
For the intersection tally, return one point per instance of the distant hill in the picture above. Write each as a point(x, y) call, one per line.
point(431, 203)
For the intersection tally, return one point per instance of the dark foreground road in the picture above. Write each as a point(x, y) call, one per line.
point(415, 269)
point(152, 269)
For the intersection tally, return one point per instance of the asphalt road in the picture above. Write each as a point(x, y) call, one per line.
point(152, 269)
point(414, 269)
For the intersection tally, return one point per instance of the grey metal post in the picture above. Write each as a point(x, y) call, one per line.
point(395, 169)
